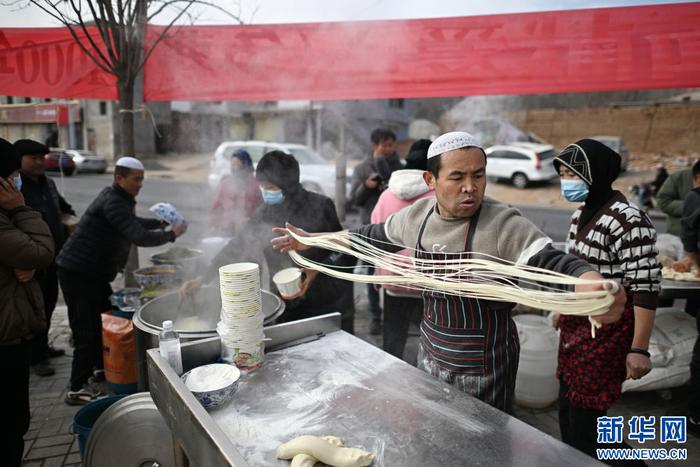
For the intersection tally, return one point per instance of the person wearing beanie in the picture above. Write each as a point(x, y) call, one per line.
point(417, 157)
point(26, 245)
point(369, 179)
point(285, 200)
point(406, 186)
point(619, 240)
point(41, 194)
point(91, 258)
point(236, 197)
point(455, 225)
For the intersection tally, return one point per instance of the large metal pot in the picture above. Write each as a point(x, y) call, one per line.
point(193, 319)
point(189, 259)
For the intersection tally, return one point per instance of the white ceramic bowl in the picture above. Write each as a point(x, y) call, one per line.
point(213, 384)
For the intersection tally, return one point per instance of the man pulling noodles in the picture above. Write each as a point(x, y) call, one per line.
point(470, 343)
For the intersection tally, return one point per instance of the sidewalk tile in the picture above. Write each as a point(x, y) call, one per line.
point(75, 447)
point(53, 462)
point(40, 453)
point(53, 441)
point(50, 428)
point(75, 457)
point(27, 446)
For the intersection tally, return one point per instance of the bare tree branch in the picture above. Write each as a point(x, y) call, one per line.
point(102, 27)
point(121, 25)
point(99, 59)
point(162, 35)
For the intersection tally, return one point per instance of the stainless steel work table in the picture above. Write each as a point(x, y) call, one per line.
point(340, 385)
point(679, 289)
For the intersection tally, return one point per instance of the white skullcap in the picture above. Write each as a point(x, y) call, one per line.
point(129, 163)
point(451, 141)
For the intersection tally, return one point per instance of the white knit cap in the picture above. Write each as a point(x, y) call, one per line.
point(451, 141)
point(129, 163)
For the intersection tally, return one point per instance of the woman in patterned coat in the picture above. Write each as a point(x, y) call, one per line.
point(618, 239)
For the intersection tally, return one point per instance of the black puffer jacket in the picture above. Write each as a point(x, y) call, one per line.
point(43, 196)
point(101, 242)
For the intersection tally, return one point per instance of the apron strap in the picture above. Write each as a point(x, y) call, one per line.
point(469, 239)
point(422, 228)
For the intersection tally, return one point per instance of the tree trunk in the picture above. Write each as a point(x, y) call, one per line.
point(341, 164)
point(128, 148)
point(126, 117)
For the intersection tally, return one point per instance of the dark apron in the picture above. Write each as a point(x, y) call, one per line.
point(465, 342)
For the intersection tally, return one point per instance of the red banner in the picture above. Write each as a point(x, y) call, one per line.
point(47, 62)
point(624, 48)
point(562, 51)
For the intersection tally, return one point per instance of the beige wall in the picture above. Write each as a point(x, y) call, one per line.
point(655, 128)
point(102, 139)
point(14, 131)
point(267, 128)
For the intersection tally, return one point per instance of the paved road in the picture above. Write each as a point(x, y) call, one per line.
point(193, 199)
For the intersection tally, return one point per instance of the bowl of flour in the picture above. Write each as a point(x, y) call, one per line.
point(212, 385)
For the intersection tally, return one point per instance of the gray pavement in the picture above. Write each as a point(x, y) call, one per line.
point(49, 441)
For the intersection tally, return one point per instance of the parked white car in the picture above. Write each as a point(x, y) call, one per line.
point(87, 161)
point(521, 163)
point(316, 173)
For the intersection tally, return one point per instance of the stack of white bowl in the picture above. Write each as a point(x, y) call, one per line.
point(241, 325)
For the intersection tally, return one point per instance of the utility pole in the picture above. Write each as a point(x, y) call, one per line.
point(340, 175)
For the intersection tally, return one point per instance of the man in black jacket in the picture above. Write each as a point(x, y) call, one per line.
point(369, 180)
point(91, 259)
point(40, 193)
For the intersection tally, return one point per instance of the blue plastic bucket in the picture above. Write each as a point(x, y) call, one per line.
point(122, 389)
point(85, 418)
point(118, 312)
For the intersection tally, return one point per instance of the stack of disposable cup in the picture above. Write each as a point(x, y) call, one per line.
point(241, 325)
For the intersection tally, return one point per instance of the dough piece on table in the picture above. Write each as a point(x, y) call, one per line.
point(325, 452)
point(305, 460)
point(670, 274)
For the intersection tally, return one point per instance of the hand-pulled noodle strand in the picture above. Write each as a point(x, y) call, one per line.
point(478, 276)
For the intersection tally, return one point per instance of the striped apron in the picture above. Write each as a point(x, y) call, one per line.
point(463, 341)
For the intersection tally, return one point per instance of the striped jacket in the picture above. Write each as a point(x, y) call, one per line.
point(621, 244)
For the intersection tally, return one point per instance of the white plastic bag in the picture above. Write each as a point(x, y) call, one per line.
point(168, 213)
point(670, 245)
point(679, 330)
point(659, 378)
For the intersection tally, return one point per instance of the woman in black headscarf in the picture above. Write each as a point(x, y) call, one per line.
point(619, 240)
point(285, 200)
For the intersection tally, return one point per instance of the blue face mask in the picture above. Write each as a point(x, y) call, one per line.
point(18, 181)
point(574, 190)
point(272, 197)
